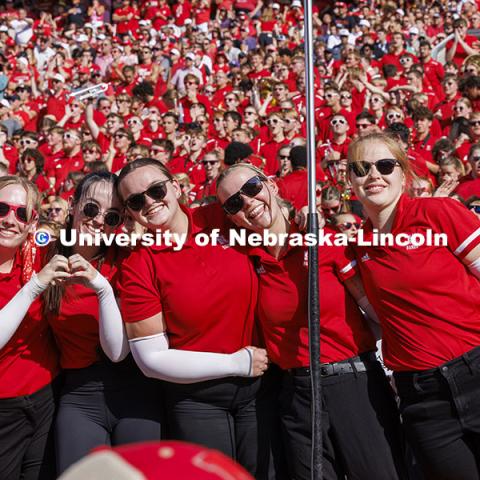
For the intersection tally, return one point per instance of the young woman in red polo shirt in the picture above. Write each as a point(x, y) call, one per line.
point(28, 358)
point(427, 299)
point(101, 402)
point(189, 313)
point(360, 416)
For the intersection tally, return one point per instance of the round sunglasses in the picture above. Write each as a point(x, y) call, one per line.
point(157, 192)
point(251, 188)
point(111, 217)
point(385, 166)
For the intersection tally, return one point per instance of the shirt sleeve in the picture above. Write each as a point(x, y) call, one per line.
point(138, 291)
point(461, 226)
point(344, 262)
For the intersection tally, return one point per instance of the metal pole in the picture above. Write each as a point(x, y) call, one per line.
point(313, 277)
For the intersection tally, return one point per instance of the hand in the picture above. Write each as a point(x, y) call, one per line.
point(446, 188)
point(259, 361)
point(81, 269)
point(55, 271)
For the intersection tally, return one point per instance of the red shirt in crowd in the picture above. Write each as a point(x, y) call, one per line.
point(218, 281)
point(282, 307)
point(426, 299)
point(29, 361)
point(76, 325)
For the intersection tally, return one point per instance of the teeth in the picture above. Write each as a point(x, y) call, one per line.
point(255, 212)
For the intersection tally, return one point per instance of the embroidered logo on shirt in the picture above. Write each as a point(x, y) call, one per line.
point(365, 258)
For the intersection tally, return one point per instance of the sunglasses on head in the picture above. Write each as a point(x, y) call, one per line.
point(111, 217)
point(384, 166)
point(157, 192)
point(475, 208)
point(20, 212)
point(251, 188)
point(338, 121)
point(475, 123)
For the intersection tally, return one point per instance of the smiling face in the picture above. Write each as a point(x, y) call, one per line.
point(13, 232)
point(258, 213)
point(101, 194)
point(375, 191)
point(156, 214)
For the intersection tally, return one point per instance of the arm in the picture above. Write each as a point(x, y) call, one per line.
point(113, 338)
point(472, 261)
point(355, 287)
point(92, 125)
point(150, 349)
point(12, 314)
point(453, 49)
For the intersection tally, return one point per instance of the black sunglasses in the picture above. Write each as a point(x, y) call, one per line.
point(157, 192)
point(251, 188)
point(385, 166)
point(111, 218)
point(348, 225)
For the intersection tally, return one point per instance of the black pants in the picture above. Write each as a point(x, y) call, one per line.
point(26, 440)
point(237, 416)
point(441, 415)
point(105, 404)
point(360, 425)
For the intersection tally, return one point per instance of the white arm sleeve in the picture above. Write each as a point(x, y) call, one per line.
point(113, 337)
point(474, 267)
point(155, 360)
point(371, 317)
point(12, 314)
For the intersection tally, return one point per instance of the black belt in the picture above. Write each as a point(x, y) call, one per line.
point(361, 363)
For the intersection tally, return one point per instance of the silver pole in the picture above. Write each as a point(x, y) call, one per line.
point(313, 277)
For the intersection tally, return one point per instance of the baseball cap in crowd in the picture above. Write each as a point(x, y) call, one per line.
point(400, 12)
point(364, 23)
point(296, 3)
point(414, 31)
point(190, 56)
point(341, 4)
point(82, 38)
point(88, 25)
point(275, 6)
point(154, 461)
point(174, 51)
point(344, 32)
point(22, 60)
point(3, 28)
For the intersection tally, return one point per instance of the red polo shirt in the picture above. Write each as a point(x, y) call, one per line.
point(207, 294)
point(29, 361)
point(426, 299)
point(283, 314)
point(76, 325)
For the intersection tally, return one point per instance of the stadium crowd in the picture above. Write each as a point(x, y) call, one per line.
point(188, 116)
